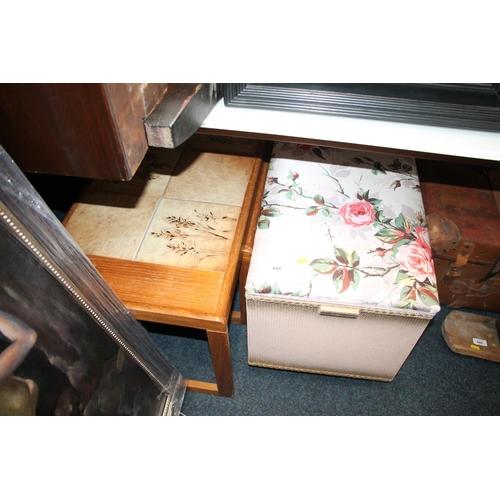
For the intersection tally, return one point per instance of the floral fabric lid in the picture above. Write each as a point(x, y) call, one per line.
point(343, 227)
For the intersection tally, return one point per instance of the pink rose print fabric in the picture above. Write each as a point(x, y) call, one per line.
point(357, 213)
point(415, 257)
point(343, 227)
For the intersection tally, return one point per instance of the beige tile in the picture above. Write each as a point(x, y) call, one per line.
point(210, 177)
point(111, 224)
point(190, 234)
point(151, 177)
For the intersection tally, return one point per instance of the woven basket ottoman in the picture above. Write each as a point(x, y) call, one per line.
point(341, 278)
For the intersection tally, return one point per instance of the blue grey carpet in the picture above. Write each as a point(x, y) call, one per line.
point(433, 381)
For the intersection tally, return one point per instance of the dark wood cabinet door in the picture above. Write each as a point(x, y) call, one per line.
point(92, 130)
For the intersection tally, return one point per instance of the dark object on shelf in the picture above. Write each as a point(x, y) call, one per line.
point(180, 113)
point(462, 207)
point(470, 106)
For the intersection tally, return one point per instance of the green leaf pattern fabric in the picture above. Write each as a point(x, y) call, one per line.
point(344, 227)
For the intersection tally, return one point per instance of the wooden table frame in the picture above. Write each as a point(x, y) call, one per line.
point(191, 298)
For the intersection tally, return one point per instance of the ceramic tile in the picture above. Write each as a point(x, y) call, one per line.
point(190, 234)
point(111, 224)
point(151, 177)
point(210, 177)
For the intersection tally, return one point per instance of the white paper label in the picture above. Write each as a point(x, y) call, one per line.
point(480, 342)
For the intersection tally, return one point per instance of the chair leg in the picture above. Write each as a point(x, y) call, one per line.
point(221, 360)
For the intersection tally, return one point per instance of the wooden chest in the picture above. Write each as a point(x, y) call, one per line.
point(462, 206)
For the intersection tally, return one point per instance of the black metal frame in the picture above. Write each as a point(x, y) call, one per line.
point(473, 106)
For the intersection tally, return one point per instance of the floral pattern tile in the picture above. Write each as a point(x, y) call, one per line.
point(180, 209)
point(344, 227)
point(190, 234)
point(111, 224)
point(210, 177)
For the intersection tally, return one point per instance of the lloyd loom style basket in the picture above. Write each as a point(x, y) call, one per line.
point(341, 279)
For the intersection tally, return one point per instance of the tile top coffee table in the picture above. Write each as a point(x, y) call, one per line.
point(169, 241)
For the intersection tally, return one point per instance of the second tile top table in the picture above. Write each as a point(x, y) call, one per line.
point(169, 241)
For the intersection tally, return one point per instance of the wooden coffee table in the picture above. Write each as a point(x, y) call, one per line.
point(169, 242)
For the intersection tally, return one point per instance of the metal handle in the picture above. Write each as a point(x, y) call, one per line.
point(339, 311)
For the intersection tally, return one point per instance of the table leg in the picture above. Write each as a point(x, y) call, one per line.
point(245, 264)
point(221, 360)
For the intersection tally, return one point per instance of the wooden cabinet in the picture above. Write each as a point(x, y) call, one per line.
point(98, 130)
point(92, 130)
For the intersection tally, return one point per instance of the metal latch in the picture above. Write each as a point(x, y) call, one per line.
point(339, 311)
point(455, 268)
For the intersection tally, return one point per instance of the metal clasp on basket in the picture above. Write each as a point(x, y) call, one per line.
point(339, 311)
